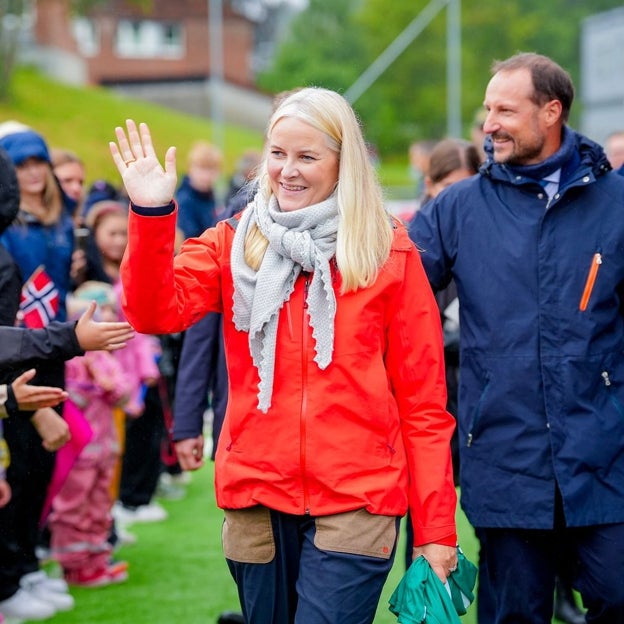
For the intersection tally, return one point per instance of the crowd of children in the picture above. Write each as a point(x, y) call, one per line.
point(61, 452)
point(89, 446)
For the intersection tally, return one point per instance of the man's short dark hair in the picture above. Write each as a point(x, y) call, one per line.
point(550, 80)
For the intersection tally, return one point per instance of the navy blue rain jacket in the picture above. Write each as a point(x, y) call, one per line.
point(541, 399)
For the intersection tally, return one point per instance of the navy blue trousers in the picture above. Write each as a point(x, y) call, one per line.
point(522, 565)
point(306, 585)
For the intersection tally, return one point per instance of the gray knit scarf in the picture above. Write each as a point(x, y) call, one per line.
point(300, 240)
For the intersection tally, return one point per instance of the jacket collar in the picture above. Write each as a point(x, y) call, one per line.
point(578, 157)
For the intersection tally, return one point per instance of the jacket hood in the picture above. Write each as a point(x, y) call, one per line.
point(9, 191)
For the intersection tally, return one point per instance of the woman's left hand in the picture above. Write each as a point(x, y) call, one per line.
point(441, 558)
point(147, 183)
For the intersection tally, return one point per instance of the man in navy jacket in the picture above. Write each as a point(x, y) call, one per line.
point(535, 243)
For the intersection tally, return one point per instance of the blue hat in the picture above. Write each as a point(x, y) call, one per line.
point(23, 145)
point(100, 190)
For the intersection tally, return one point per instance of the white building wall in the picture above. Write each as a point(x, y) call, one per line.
point(602, 74)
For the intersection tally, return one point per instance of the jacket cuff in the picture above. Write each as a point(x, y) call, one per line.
point(77, 346)
point(11, 402)
point(156, 211)
point(12, 408)
point(444, 538)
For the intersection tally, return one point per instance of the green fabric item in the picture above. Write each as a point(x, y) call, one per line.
point(421, 598)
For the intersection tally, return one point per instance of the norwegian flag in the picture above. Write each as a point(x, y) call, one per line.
point(39, 302)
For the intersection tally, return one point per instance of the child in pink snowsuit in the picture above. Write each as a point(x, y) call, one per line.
point(80, 521)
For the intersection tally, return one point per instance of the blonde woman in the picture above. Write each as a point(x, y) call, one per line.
point(336, 418)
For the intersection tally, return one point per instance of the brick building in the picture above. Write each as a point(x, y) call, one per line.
point(162, 54)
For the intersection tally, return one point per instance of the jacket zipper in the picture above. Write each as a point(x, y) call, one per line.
point(607, 382)
point(477, 415)
point(289, 318)
point(591, 280)
point(304, 397)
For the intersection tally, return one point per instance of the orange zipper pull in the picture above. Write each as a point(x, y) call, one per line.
point(591, 280)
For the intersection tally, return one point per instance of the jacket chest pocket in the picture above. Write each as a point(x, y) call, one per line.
point(590, 282)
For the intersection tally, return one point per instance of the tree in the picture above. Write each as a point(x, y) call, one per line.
point(332, 42)
point(321, 49)
point(11, 25)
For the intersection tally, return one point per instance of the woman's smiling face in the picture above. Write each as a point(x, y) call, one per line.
point(303, 169)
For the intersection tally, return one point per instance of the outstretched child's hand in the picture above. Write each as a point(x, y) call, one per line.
point(101, 335)
point(30, 398)
point(53, 430)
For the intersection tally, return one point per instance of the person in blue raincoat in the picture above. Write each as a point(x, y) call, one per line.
point(535, 244)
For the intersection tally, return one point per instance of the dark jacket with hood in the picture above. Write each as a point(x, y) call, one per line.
point(10, 276)
point(24, 348)
point(540, 285)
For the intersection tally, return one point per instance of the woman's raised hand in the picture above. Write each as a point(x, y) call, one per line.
point(146, 182)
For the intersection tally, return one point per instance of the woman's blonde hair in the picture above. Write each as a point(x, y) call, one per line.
point(364, 227)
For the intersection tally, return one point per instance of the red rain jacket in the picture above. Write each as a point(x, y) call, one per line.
point(370, 431)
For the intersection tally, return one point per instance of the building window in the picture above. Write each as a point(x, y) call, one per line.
point(149, 39)
point(86, 36)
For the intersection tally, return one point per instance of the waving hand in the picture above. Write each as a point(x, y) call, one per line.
point(147, 183)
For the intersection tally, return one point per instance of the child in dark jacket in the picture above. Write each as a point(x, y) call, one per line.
point(196, 196)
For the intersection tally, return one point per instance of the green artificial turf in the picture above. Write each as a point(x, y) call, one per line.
point(178, 574)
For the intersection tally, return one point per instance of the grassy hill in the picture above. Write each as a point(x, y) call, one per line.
point(83, 119)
